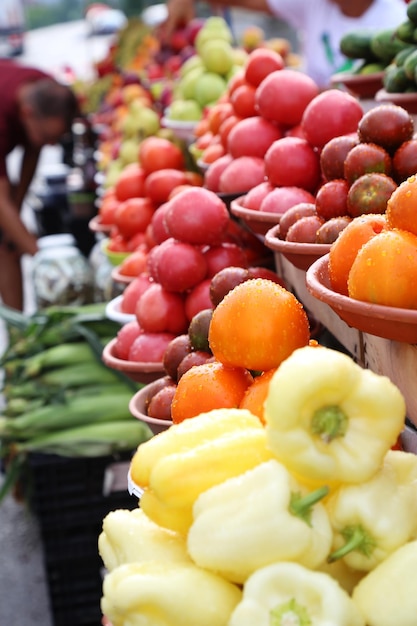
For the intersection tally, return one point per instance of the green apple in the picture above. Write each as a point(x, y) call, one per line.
point(141, 120)
point(217, 56)
point(113, 172)
point(240, 56)
point(212, 31)
point(185, 111)
point(209, 87)
point(188, 82)
point(129, 151)
point(190, 64)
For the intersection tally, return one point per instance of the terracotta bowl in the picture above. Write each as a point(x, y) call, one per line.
point(139, 403)
point(302, 255)
point(258, 222)
point(388, 322)
point(96, 226)
point(139, 372)
point(114, 313)
point(407, 101)
point(360, 85)
point(121, 278)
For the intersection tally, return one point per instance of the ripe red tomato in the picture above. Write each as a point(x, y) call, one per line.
point(292, 162)
point(198, 299)
point(330, 114)
point(130, 183)
point(331, 199)
point(243, 100)
point(226, 254)
point(179, 266)
point(160, 184)
point(252, 137)
point(107, 209)
point(284, 95)
point(133, 216)
point(159, 310)
point(133, 292)
point(125, 337)
point(207, 225)
point(149, 347)
point(260, 63)
point(157, 153)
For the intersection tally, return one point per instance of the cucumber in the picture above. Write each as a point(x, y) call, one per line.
point(405, 31)
point(402, 55)
point(410, 65)
point(395, 79)
point(357, 45)
point(412, 11)
point(385, 45)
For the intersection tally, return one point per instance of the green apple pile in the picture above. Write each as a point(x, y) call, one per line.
point(204, 76)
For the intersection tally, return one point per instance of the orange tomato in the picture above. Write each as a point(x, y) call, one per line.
point(206, 387)
point(347, 245)
point(402, 206)
point(255, 395)
point(385, 270)
point(257, 325)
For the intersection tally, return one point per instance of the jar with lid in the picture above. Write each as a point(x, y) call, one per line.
point(61, 274)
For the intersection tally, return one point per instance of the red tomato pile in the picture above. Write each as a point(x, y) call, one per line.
point(196, 239)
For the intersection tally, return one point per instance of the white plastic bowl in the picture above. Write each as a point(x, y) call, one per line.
point(114, 313)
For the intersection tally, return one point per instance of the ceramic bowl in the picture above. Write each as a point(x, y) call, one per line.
point(118, 277)
point(96, 226)
point(114, 313)
point(258, 222)
point(407, 101)
point(388, 322)
point(302, 255)
point(360, 85)
point(115, 258)
point(139, 372)
point(182, 129)
point(139, 403)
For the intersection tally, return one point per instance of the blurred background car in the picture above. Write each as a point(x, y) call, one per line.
point(12, 28)
point(104, 20)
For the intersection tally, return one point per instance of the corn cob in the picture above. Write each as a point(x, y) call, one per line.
point(63, 354)
point(90, 440)
point(76, 412)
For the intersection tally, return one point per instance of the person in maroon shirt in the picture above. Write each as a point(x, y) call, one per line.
point(35, 110)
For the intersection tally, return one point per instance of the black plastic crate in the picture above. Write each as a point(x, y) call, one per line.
point(70, 498)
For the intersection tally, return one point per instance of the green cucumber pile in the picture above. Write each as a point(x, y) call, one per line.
point(393, 51)
point(58, 395)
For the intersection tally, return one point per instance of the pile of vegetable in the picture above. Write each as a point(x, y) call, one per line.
point(391, 50)
point(59, 397)
point(308, 519)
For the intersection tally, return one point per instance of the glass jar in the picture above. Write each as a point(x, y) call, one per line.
point(61, 274)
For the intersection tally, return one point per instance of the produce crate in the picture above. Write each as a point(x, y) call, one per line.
point(70, 498)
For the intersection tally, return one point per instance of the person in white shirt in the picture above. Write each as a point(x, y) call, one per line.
point(319, 23)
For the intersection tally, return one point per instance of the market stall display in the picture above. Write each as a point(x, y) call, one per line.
point(232, 355)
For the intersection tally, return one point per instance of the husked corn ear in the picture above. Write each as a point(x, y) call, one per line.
point(77, 411)
point(100, 439)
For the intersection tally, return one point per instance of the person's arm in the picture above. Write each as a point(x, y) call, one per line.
point(29, 163)
point(182, 11)
point(10, 223)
